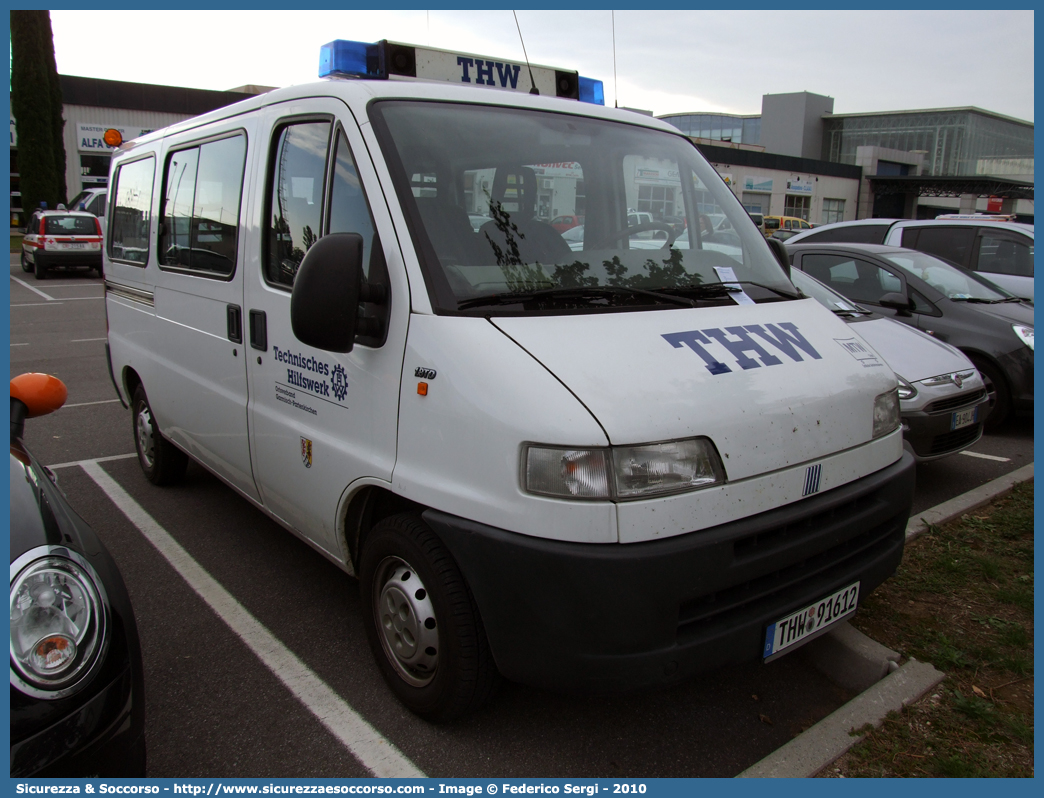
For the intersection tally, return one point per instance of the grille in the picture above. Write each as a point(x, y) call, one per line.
point(949, 441)
point(954, 402)
point(729, 606)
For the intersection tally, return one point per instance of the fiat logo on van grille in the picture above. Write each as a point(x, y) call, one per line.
point(812, 475)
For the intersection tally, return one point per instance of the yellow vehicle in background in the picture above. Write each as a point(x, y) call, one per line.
point(789, 224)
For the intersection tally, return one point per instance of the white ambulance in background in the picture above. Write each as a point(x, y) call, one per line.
point(598, 469)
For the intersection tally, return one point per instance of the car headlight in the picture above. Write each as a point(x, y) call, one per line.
point(886, 413)
point(1025, 334)
point(906, 390)
point(622, 472)
point(58, 621)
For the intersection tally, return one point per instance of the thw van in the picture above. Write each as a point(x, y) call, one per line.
point(595, 469)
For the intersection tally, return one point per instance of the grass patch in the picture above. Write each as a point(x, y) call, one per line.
point(16, 243)
point(963, 600)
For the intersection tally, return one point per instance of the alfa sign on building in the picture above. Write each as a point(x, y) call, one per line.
point(89, 137)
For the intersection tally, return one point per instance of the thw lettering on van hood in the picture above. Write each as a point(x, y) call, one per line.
point(738, 342)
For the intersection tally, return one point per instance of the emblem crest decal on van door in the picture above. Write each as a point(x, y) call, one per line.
point(306, 452)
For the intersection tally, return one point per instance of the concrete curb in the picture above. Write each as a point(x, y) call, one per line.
point(966, 502)
point(857, 662)
point(816, 748)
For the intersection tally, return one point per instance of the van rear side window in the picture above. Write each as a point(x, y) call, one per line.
point(132, 214)
point(201, 200)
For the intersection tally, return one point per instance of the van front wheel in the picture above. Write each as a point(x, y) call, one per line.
point(422, 622)
point(162, 462)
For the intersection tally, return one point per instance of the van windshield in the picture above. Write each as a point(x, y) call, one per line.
point(482, 186)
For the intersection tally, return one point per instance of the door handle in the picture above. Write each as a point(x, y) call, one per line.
point(259, 330)
point(235, 323)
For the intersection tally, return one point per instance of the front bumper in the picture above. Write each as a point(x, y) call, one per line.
point(606, 617)
point(104, 736)
point(927, 433)
point(1018, 368)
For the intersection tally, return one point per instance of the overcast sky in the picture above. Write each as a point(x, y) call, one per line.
point(666, 61)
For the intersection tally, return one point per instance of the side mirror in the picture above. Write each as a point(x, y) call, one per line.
point(781, 254)
point(324, 302)
point(897, 302)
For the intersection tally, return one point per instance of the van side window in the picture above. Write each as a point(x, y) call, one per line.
point(132, 211)
point(349, 211)
point(201, 207)
point(296, 198)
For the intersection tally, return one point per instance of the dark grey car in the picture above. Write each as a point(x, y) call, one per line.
point(992, 327)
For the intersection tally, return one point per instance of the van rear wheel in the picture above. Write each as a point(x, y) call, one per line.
point(422, 622)
point(26, 265)
point(162, 462)
point(39, 267)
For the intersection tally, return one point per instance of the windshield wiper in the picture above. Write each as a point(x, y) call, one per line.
point(852, 312)
point(980, 301)
point(583, 292)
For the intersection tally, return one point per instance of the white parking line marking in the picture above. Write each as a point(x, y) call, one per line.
point(32, 304)
point(35, 290)
point(93, 460)
point(50, 299)
point(19, 344)
point(84, 340)
point(987, 457)
point(375, 752)
point(100, 402)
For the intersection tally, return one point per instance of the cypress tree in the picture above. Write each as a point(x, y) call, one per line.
point(36, 103)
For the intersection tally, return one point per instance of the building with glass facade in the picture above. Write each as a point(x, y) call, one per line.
point(719, 127)
point(955, 141)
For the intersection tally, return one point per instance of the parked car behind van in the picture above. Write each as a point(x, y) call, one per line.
point(590, 468)
point(943, 398)
point(61, 240)
point(992, 327)
point(785, 225)
point(1001, 251)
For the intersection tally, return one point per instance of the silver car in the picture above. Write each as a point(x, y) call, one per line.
point(942, 398)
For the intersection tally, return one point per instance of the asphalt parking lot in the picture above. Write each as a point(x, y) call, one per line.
point(256, 663)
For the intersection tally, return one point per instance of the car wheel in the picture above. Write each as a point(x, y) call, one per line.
point(162, 462)
point(998, 392)
point(26, 265)
point(39, 267)
point(422, 622)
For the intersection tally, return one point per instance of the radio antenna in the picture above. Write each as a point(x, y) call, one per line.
point(534, 89)
point(616, 88)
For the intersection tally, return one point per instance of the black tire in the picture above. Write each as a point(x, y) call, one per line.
point(431, 648)
point(26, 265)
point(999, 393)
point(39, 267)
point(162, 462)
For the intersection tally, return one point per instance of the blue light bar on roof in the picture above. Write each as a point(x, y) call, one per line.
point(385, 60)
point(350, 59)
point(591, 90)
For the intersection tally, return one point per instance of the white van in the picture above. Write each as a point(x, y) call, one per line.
point(597, 469)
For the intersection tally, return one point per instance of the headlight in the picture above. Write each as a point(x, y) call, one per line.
point(622, 472)
point(906, 390)
point(1025, 334)
point(58, 621)
point(886, 413)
